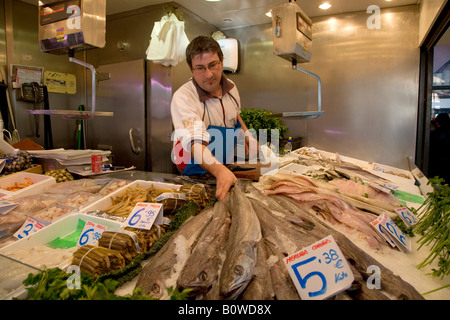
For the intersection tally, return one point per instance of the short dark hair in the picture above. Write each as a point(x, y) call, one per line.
point(202, 44)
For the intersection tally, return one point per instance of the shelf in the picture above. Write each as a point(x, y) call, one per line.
point(69, 114)
point(297, 115)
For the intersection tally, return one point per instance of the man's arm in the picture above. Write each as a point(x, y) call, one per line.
point(224, 177)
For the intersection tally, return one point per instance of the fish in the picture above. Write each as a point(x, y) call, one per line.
point(282, 284)
point(332, 206)
point(162, 270)
point(261, 286)
point(392, 285)
point(203, 265)
point(245, 233)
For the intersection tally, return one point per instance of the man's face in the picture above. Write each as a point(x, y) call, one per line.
point(207, 71)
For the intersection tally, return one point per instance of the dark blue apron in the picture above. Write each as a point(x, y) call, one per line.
point(224, 155)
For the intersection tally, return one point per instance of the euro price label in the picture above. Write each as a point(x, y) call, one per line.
point(320, 270)
point(144, 215)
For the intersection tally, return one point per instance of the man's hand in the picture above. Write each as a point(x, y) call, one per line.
point(251, 145)
point(225, 180)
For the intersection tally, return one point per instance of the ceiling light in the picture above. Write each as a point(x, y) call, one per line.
point(325, 6)
point(269, 14)
point(213, 0)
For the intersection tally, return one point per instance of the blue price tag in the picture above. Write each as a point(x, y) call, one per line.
point(144, 215)
point(319, 271)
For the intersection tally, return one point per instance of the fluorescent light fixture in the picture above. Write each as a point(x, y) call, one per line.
point(213, 0)
point(325, 6)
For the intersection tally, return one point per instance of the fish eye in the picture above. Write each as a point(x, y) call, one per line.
point(239, 270)
point(155, 288)
point(203, 276)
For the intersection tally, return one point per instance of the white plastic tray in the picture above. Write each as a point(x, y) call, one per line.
point(60, 228)
point(40, 182)
point(106, 202)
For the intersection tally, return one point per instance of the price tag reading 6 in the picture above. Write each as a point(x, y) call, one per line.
point(91, 233)
point(320, 270)
point(144, 215)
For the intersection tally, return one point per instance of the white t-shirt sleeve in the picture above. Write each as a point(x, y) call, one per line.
point(186, 110)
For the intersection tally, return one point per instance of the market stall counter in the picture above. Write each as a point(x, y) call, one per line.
point(144, 235)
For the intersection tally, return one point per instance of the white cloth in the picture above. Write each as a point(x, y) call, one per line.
point(168, 42)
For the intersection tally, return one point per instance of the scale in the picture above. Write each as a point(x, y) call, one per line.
point(66, 27)
point(292, 37)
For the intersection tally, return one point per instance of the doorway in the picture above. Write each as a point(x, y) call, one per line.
point(433, 134)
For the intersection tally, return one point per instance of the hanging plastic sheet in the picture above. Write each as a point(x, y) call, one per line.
point(168, 41)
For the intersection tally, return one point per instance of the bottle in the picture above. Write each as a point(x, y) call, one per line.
point(288, 146)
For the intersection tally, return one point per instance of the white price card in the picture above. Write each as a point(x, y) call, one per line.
point(319, 271)
point(391, 232)
point(407, 216)
point(379, 188)
point(7, 205)
point(144, 215)
point(30, 226)
point(91, 233)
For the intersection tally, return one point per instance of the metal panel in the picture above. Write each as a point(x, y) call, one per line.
point(370, 80)
point(369, 83)
point(159, 97)
point(123, 94)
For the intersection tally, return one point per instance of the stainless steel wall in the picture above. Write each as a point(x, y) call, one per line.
point(134, 28)
point(369, 79)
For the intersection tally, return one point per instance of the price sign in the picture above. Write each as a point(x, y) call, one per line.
point(378, 227)
point(91, 233)
point(407, 216)
point(30, 226)
point(7, 205)
point(144, 215)
point(390, 231)
point(379, 188)
point(320, 270)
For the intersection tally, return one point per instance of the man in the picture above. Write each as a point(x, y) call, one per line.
point(204, 109)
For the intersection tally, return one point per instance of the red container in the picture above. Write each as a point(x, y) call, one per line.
point(96, 163)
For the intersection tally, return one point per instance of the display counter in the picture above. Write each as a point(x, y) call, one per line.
point(194, 230)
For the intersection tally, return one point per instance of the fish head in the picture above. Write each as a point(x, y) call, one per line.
point(236, 278)
point(156, 288)
point(199, 281)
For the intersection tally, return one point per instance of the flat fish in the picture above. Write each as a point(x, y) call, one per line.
point(241, 251)
point(162, 270)
point(203, 265)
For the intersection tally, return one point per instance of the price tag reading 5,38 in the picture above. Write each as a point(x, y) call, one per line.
point(319, 271)
point(144, 215)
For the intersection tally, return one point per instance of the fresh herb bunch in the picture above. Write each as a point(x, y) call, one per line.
point(434, 226)
point(257, 119)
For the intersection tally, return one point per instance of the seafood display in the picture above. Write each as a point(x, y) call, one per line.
point(18, 186)
point(241, 248)
point(171, 199)
point(97, 260)
point(243, 258)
